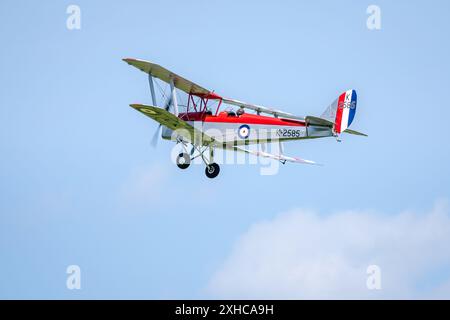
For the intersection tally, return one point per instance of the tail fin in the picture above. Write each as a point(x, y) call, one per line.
point(342, 111)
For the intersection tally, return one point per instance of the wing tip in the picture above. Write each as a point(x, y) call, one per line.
point(309, 162)
point(128, 60)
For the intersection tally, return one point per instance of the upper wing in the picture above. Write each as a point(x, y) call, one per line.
point(173, 122)
point(276, 113)
point(191, 88)
point(165, 75)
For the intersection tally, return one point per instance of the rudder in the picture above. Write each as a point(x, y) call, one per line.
point(342, 111)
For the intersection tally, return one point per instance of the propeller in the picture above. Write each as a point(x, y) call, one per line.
point(157, 133)
point(156, 137)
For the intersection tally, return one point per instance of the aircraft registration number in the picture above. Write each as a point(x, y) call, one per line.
point(289, 133)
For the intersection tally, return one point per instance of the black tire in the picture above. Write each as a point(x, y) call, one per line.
point(212, 170)
point(183, 161)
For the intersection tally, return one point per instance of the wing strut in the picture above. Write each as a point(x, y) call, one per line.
point(281, 151)
point(152, 89)
point(174, 97)
point(281, 147)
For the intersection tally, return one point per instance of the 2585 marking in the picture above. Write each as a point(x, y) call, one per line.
point(289, 133)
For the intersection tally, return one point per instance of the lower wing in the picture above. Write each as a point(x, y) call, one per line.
point(172, 122)
point(275, 156)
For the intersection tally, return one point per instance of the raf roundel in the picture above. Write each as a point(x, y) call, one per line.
point(244, 131)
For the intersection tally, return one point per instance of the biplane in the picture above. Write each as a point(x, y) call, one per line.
point(203, 125)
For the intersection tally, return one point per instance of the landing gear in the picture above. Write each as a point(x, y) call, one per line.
point(183, 161)
point(212, 170)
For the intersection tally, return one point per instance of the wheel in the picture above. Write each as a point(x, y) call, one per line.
point(212, 170)
point(183, 161)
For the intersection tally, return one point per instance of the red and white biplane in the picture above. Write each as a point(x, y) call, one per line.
point(200, 124)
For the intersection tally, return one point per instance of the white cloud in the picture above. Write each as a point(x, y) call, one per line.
point(304, 255)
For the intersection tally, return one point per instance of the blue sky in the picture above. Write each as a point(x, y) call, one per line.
point(80, 184)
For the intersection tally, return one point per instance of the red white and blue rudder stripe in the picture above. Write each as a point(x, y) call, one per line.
point(346, 110)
